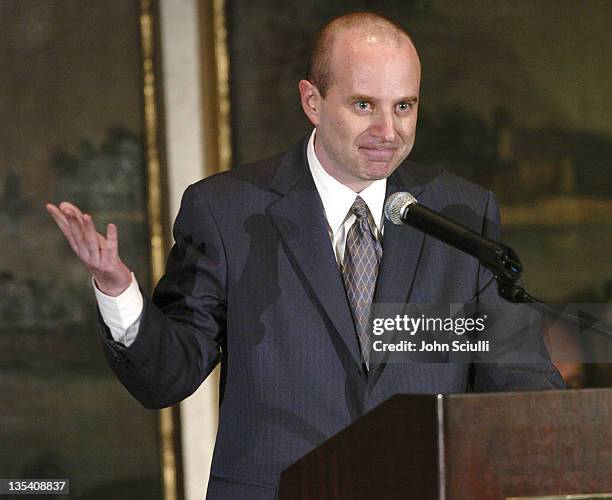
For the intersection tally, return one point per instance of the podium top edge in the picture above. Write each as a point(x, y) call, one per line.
point(505, 394)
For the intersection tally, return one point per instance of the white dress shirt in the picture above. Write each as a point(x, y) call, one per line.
point(122, 313)
point(338, 199)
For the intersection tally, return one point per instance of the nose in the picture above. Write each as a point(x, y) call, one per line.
point(383, 126)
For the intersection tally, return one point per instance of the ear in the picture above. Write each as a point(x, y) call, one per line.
point(311, 101)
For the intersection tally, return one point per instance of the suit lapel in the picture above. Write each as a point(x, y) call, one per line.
point(402, 246)
point(299, 217)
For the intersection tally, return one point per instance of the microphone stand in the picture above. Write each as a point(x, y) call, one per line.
point(506, 267)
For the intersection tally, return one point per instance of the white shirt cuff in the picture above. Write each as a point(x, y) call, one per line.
point(122, 313)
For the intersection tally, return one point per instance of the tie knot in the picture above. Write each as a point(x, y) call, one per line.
point(359, 208)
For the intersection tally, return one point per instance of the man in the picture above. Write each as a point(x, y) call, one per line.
point(275, 265)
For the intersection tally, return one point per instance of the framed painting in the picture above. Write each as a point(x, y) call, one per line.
point(79, 108)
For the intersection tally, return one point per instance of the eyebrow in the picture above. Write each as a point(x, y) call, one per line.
point(361, 97)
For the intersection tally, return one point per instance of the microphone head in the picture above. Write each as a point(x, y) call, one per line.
point(396, 206)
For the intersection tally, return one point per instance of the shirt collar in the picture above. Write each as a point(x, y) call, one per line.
point(337, 198)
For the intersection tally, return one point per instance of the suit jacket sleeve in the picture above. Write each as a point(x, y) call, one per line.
point(183, 327)
point(519, 374)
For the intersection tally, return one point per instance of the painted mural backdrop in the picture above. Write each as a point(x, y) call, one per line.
point(71, 130)
point(514, 97)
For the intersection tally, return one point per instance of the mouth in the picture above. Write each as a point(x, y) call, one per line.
point(378, 153)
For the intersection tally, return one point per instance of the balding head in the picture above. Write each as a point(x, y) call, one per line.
point(362, 97)
point(364, 27)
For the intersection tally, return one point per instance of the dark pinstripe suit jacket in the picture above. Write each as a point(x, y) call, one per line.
point(252, 282)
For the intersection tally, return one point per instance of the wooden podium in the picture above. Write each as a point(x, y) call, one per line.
point(469, 446)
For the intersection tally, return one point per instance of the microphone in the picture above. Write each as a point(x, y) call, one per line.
point(403, 209)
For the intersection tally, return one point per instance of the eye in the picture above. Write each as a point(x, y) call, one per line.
point(403, 107)
point(363, 106)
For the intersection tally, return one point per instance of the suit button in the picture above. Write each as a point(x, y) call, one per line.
point(359, 370)
point(120, 361)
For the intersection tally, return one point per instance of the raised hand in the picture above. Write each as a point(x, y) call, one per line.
point(99, 254)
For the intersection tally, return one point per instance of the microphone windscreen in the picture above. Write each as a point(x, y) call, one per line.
point(395, 206)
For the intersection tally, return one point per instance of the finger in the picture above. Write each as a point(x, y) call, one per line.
point(77, 232)
point(63, 224)
point(70, 237)
point(101, 242)
point(56, 213)
point(91, 240)
point(66, 205)
point(72, 213)
point(59, 217)
point(111, 251)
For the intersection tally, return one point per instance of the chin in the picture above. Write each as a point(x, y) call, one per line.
point(379, 170)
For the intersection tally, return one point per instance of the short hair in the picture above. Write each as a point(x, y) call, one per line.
point(319, 68)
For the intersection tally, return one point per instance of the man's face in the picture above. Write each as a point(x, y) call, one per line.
point(366, 122)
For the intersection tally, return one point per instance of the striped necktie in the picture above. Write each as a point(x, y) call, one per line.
point(362, 254)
